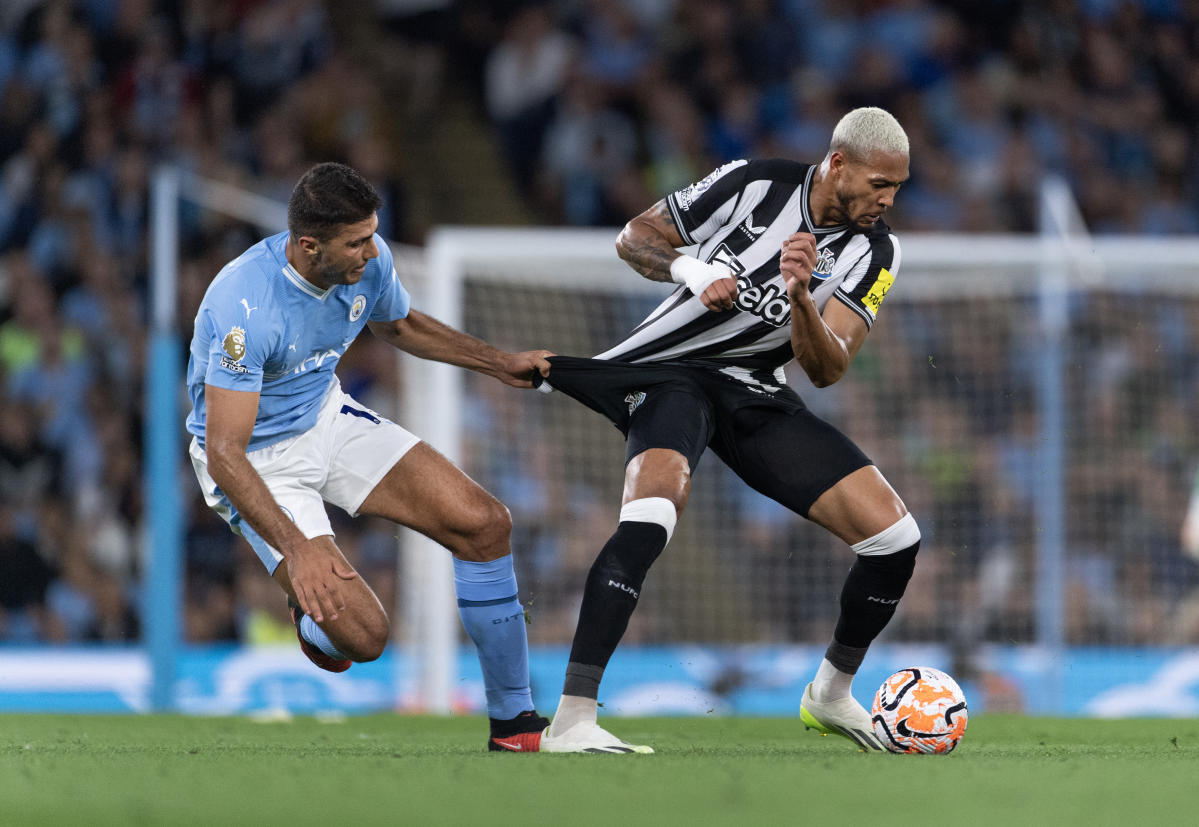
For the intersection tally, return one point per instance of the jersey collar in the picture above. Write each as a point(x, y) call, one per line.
point(807, 215)
point(293, 275)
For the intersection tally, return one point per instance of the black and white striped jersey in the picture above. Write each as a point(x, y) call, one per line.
point(739, 216)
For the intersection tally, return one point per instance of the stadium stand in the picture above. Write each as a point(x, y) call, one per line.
point(579, 113)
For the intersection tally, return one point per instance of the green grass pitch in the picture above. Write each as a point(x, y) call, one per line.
point(406, 770)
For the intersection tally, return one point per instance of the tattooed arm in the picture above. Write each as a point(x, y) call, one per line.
point(648, 244)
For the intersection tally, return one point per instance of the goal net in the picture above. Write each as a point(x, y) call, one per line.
point(1031, 399)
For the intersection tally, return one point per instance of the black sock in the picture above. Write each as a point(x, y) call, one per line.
point(609, 598)
point(871, 595)
point(527, 721)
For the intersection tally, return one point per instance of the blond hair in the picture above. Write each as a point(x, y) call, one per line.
point(867, 130)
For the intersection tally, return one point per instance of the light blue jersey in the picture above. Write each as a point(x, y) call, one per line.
point(262, 327)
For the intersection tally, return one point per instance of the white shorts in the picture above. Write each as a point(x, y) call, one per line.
point(339, 460)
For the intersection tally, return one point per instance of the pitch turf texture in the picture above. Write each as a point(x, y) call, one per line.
point(403, 770)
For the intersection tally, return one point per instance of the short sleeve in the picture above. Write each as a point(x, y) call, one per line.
point(393, 302)
point(864, 289)
point(702, 208)
point(238, 347)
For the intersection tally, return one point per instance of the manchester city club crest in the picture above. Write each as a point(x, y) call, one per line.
point(357, 306)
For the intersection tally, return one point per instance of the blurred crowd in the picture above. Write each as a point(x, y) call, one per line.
point(94, 95)
point(945, 399)
point(602, 106)
point(596, 109)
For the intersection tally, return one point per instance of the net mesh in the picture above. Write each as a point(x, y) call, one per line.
point(944, 397)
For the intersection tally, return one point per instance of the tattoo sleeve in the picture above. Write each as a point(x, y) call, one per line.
point(647, 243)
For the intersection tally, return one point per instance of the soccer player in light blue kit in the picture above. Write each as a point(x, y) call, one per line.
point(275, 438)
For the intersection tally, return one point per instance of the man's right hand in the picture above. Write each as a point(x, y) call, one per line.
point(713, 283)
point(317, 572)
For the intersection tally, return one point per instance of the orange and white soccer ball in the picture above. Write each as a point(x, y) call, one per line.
point(919, 710)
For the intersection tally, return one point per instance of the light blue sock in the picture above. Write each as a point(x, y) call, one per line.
point(495, 621)
point(316, 636)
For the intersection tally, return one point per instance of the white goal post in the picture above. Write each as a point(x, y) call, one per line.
point(728, 577)
point(508, 286)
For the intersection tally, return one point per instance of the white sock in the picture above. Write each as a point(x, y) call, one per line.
point(830, 683)
point(572, 710)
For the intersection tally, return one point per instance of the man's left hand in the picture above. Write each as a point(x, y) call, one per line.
point(796, 263)
point(518, 368)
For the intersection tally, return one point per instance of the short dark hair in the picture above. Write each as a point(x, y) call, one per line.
point(327, 197)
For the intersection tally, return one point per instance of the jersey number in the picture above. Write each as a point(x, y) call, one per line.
point(346, 409)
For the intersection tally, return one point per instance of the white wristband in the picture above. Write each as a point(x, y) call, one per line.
point(696, 274)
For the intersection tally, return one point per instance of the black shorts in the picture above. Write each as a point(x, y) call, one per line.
point(770, 440)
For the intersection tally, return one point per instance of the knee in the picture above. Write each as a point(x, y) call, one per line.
point(370, 641)
point(902, 537)
point(891, 554)
point(658, 472)
point(659, 511)
point(486, 531)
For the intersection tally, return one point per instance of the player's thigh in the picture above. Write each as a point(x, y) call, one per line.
point(356, 587)
point(860, 505)
point(428, 493)
point(669, 431)
point(377, 467)
point(363, 448)
point(658, 472)
point(291, 472)
point(363, 613)
point(807, 465)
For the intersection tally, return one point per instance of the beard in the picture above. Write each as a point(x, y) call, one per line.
point(846, 215)
point(329, 273)
point(841, 207)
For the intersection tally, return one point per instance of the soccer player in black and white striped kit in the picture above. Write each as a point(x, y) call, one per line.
point(793, 261)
